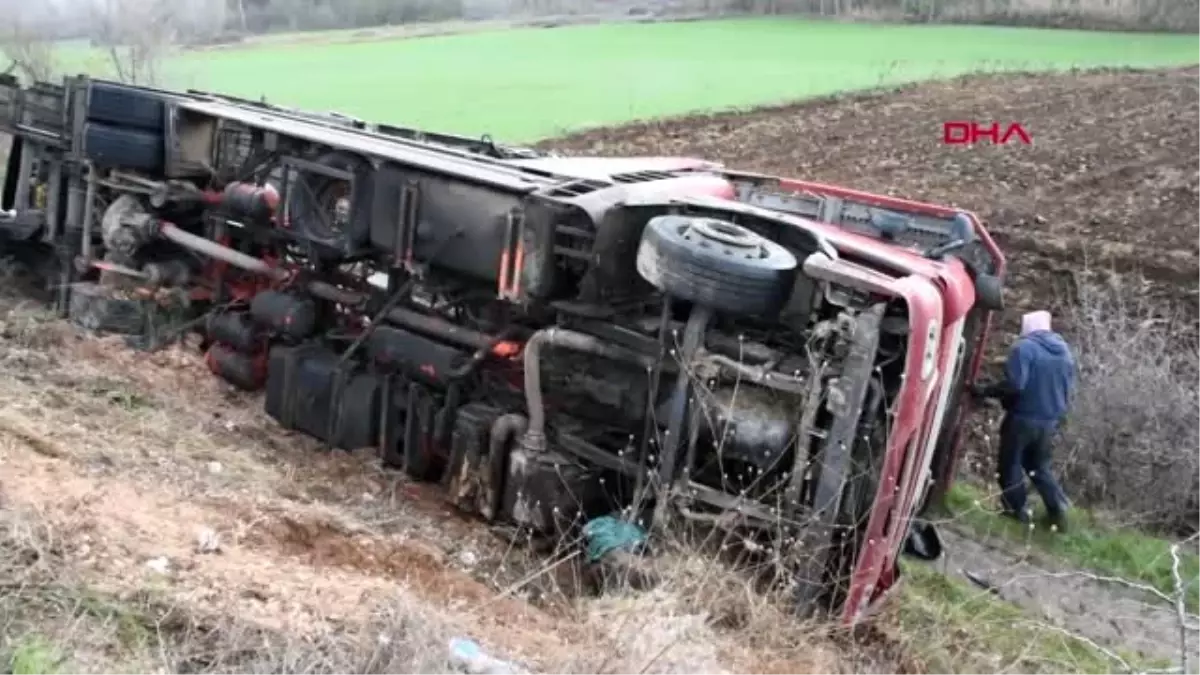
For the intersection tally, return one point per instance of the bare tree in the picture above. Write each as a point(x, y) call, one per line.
point(27, 55)
point(136, 35)
point(241, 11)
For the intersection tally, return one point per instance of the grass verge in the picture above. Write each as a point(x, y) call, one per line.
point(952, 627)
point(1090, 543)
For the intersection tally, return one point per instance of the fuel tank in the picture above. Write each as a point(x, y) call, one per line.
point(467, 227)
point(462, 226)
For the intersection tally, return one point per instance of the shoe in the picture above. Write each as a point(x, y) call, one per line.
point(1056, 523)
point(1020, 516)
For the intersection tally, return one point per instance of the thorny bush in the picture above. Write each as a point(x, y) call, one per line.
point(1129, 445)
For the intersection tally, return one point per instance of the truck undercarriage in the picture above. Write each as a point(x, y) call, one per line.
point(553, 339)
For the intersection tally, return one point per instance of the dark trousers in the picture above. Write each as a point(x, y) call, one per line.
point(1025, 451)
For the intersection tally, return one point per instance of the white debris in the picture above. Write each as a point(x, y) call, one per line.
point(214, 467)
point(208, 541)
point(161, 564)
point(468, 657)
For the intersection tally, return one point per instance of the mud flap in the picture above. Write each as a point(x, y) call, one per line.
point(816, 546)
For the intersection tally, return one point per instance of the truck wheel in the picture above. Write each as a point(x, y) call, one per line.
point(716, 263)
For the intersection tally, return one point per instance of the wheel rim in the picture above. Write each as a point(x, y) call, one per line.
point(726, 233)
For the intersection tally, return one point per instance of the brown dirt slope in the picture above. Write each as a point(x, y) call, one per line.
point(1110, 178)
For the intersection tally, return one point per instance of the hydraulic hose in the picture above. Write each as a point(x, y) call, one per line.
point(504, 430)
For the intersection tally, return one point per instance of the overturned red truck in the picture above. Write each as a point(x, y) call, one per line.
point(552, 338)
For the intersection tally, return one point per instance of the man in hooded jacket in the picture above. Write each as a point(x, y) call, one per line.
point(1036, 391)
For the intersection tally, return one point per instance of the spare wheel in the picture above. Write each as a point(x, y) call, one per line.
point(716, 263)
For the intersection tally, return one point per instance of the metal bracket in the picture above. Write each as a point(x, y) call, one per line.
point(410, 219)
point(511, 257)
point(845, 401)
point(693, 339)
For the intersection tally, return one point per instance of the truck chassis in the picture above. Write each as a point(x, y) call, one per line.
point(553, 339)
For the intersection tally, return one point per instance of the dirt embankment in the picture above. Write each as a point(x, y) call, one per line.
point(1109, 182)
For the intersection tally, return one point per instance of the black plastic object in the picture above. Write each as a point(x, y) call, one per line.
point(289, 316)
point(24, 226)
point(417, 356)
point(717, 264)
point(546, 491)
point(923, 541)
point(124, 106)
point(243, 371)
point(11, 171)
point(989, 292)
point(420, 459)
point(466, 473)
point(109, 146)
point(307, 390)
point(93, 308)
point(234, 329)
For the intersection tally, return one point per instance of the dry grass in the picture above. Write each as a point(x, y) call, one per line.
point(54, 622)
point(61, 624)
point(1130, 443)
point(703, 618)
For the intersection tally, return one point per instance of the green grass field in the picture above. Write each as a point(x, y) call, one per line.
point(527, 84)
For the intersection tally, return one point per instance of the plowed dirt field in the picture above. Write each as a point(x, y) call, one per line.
point(1109, 182)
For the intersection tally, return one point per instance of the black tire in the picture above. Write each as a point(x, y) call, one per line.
point(126, 107)
point(717, 264)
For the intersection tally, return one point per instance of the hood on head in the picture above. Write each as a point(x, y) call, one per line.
point(1034, 322)
point(1050, 342)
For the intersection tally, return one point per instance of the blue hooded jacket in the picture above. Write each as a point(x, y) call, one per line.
point(1041, 377)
